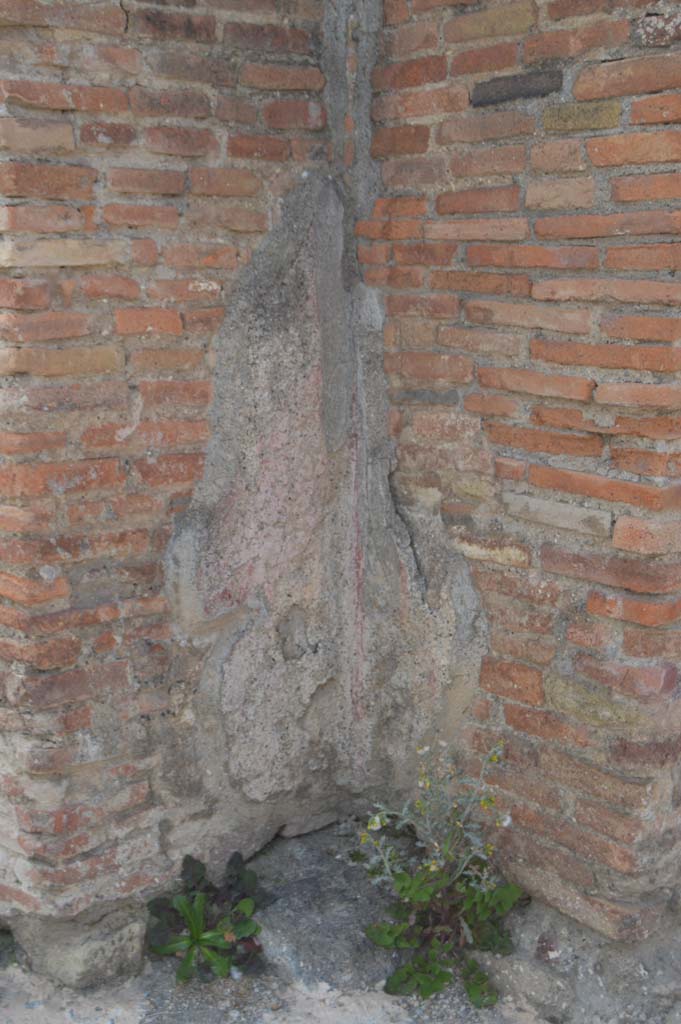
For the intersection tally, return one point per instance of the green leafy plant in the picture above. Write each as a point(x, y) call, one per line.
point(209, 927)
point(434, 855)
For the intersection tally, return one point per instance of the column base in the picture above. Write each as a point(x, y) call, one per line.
point(85, 951)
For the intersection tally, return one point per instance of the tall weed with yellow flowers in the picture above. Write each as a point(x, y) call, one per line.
point(435, 855)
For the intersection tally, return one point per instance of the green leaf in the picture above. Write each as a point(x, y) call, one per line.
point(193, 873)
point(217, 939)
point(478, 987)
point(220, 965)
point(402, 982)
point(244, 929)
point(186, 969)
point(177, 945)
point(245, 907)
point(390, 936)
point(183, 906)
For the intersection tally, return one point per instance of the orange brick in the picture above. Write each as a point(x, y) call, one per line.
point(628, 77)
point(645, 537)
point(532, 383)
point(530, 315)
point(592, 485)
point(480, 200)
point(410, 73)
point(635, 148)
point(512, 680)
point(148, 320)
point(516, 256)
point(426, 366)
point(404, 139)
point(283, 78)
point(141, 180)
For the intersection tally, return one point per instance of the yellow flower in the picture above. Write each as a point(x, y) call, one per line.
point(364, 837)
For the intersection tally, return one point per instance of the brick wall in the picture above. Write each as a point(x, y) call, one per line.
point(527, 245)
point(524, 248)
point(144, 149)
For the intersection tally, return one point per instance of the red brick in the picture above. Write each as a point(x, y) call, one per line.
point(52, 690)
point(574, 8)
point(543, 440)
point(169, 102)
point(467, 281)
point(642, 328)
point(479, 229)
point(485, 58)
point(558, 156)
point(510, 469)
point(20, 293)
point(141, 180)
point(482, 127)
point(81, 361)
point(99, 99)
point(32, 327)
point(518, 18)
point(47, 181)
point(162, 25)
point(442, 307)
point(637, 575)
point(479, 200)
point(206, 255)
point(512, 680)
point(284, 115)
point(427, 254)
point(531, 315)
point(46, 95)
point(430, 367)
point(410, 73)
point(560, 193)
point(635, 148)
point(171, 471)
point(604, 488)
point(150, 320)
point(651, 222)
point(403, 106)
point(405, 139)
point(657, 358)
point(631, 609)
point(645, 537)
point(490, 160)
point(258, 147)
point(663, 256)
point(643, 188)
point(657, 396)
point(109, 286)
point(264, 38)
point(30, 592)
point(644, 683)
point(657, 110)
point(532, 383)
point(236, 111)
point(56, 219)
point(100, 19)
point(564, 43)
point(473, 339)
point(491, 405)
point(133, 216)
point(181, 141)
point(628, 77)
point(100, 133)
point(564, 257)
point(30, 480)
point(282, 78)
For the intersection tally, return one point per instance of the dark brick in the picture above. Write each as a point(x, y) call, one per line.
point(517, 87)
